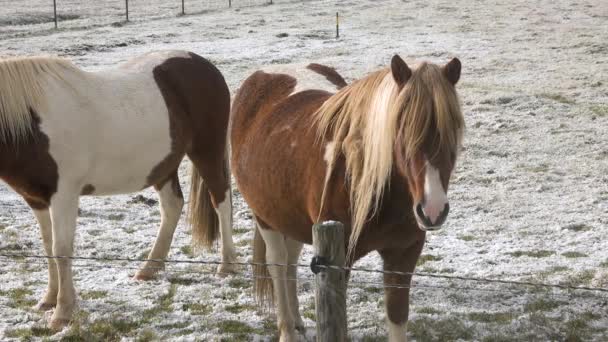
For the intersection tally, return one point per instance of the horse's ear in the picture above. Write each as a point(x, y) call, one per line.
point(401, 72)
point(452, 70)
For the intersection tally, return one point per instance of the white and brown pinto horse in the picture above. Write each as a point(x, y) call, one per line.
point(65, 133)
point(377, 156)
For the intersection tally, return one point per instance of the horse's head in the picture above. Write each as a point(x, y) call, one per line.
point(429, 132)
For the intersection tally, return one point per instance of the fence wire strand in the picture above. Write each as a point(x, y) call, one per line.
point(517, 283)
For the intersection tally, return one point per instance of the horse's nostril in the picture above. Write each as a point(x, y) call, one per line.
point(443, 215)
point(420, 211)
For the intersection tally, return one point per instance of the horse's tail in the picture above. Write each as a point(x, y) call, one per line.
point(262, 286)
point(201, 213)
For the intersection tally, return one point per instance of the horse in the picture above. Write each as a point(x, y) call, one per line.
point(376, 155)
point(66, 133)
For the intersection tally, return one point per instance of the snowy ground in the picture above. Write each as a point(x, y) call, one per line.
point(529, 196)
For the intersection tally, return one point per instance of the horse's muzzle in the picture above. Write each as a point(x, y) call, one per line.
point(425, 223)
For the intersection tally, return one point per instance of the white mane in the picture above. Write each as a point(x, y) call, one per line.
point(21, 90)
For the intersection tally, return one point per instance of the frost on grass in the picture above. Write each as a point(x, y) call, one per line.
point(529, 196)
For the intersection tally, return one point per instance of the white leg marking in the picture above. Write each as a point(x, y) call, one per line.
point(224, 212)
point(293, 254)
point(396, 332)
point(276, 252)
point(171, 205)
point(46, 230)
point(64, 210)
point(435, 197)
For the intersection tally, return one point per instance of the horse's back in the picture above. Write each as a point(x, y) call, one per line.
point(123, 129)
point(310, 76)
point(258, 94)
point(262, 91)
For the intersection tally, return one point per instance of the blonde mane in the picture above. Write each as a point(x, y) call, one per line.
point(22, 90)
point(368, 119)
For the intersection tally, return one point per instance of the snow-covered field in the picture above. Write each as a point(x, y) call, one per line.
point(529, 197)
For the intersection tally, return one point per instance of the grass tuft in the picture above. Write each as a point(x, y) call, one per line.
point(93, 295)
point(238, 283)
point(532, 254)
point(543, 305)
point(431, 329)
point(235, 327)
point(466, 237)
point(147, 335)
point(240, 230)
point(187, 250)
point(238, 308)
point(426, 258)
point(164, 305)
point(577, 227)
point(580, 278)
point(197, 308)
point(599, 110)
point(491, 317)
point(574, 255)
point(182, 281)
point(28, 334)
point(19, 298)
point(558, 98)
point(428, 310)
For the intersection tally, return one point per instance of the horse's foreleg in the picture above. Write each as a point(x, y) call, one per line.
point(171, 204)
point(64, 210)
point(293, 254)
point(397, 298)
point(277, 253)
point(46, 230)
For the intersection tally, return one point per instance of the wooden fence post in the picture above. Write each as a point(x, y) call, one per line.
point(337, 25)
point(127, 9)
point(55, 12)
point(183, 8)
point(330, 291)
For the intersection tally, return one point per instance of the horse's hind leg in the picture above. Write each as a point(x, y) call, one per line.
point(171, 204)
point(224, 213)
point(277, 253)
point(46, 229)
point(64, 210)
point(293, 255)
point(216, 175)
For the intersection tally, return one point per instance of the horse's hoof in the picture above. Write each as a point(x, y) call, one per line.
point(44, 306)
point(224, 270)
point(288, 337)
point(143, 276)
point(58, 324)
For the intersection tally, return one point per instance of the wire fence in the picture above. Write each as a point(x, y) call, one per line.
point(28, 17)
point(522, 285)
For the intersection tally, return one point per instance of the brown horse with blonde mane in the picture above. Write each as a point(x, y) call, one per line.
point(377, 155)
